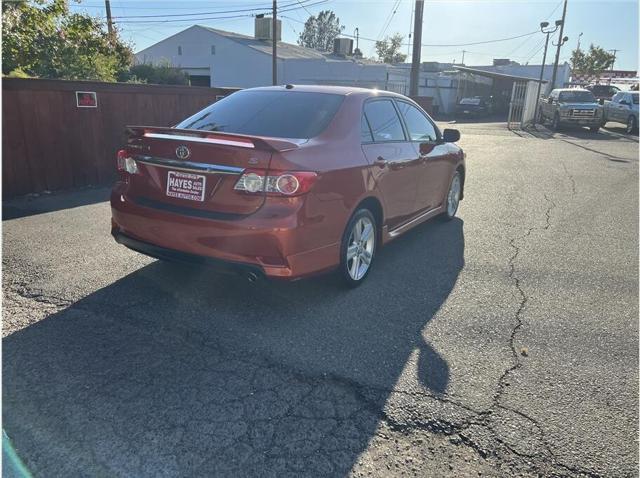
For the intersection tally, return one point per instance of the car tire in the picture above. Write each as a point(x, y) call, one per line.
point(594, 129)
point(632, 124)
point(452, 199)
point(556, 122)
point(358, 247)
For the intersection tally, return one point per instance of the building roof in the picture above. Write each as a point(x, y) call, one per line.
point(496, 75)
point(286, 51)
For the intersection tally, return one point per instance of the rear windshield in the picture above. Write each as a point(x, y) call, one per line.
point(281, 114)
point(576, 97)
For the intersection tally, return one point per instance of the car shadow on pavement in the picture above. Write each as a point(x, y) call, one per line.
point(176, 371)
point(569, 132)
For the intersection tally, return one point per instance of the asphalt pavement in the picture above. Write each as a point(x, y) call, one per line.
point(502, 343)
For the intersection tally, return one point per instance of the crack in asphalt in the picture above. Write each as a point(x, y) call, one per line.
point(571, 178)
point(372, 399)
point(519, 323)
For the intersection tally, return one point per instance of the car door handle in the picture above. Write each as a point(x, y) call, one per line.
point(380, 162)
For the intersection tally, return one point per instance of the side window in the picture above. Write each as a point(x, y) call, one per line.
point(365, 131)
point(617, 97)
point(384, 121)
point(419, 126)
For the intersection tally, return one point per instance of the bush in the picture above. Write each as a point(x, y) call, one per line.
point(161, 74)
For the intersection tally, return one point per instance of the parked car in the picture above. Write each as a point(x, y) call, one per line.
point(575, 106)
point(623, 108)
point(476, 106)
point(286, 182)
point(603, 92)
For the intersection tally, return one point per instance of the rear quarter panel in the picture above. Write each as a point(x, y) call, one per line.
point(344, 178)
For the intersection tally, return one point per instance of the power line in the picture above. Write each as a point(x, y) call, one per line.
point(456, 44)
point(305, 8)
point(155, 8)
point(525, 41)
point(207, 13)
point(254, 11)
point(392, 12)
point(541, 47)
point(485, 42)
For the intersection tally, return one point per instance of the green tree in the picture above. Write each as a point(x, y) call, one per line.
point(43, 39)
point(320, 31)
point(593, 62)
point(389, 49)
point(160, 74)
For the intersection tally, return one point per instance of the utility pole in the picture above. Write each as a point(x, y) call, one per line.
point(560, 43)
point(417, 45)
point(463, 52)
point(274, 50)
point(547, 32)
point(614, 51)
point(107, 5)
point(579, 37)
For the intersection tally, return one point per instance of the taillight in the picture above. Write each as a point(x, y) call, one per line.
point(289, 183)
point(125, 162)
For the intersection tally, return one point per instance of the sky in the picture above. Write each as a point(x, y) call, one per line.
point(447, 24)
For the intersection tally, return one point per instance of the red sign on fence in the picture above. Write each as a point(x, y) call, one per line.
point(86, 99)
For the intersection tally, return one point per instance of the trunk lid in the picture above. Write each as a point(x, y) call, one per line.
point(194, 172)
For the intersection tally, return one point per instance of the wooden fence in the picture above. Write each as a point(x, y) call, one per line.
point(49, 143)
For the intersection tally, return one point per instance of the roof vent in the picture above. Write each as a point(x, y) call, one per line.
point(343, 46)
point(263, 26)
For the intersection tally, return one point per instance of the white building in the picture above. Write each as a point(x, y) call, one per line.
point(214, 57)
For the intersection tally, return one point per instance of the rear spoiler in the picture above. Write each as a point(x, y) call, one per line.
point(213, 137)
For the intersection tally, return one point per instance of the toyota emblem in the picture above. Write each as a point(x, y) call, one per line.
point(182, 152)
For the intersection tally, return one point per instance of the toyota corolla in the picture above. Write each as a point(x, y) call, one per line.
point(286, 182)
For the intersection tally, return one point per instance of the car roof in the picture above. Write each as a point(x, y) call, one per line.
point(336, 90)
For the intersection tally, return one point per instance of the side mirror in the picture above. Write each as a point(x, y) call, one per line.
point(450, 135)
point(601, 101)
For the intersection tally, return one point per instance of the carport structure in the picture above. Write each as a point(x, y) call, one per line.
point(513, 95)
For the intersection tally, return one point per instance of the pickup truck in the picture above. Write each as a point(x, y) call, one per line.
point(571, 106)
point(623, 108)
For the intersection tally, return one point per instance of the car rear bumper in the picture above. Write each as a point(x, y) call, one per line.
point(277, 241)
point(158, 252)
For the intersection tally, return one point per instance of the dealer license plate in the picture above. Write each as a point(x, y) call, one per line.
point(186, 185)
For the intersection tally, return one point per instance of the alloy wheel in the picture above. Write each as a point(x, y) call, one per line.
point(360, 248)
point(453, 197)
